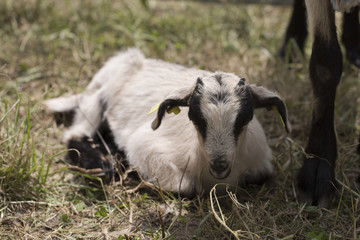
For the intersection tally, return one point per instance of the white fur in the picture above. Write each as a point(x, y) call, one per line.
point(129, 85)
point(318, 15)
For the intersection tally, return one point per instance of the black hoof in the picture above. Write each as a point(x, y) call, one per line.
point(316, 182)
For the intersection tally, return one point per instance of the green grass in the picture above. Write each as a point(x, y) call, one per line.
point(48, 48)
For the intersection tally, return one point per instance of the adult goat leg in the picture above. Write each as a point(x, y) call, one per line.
point(351, 36)
point(316, 179)
point(297, 28)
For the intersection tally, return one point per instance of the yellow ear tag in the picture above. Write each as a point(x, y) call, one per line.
point(282, 120)
point(174, 110)
point(154, 108)
point(276, 110)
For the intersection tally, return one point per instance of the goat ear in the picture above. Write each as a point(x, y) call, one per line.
point(264, 98)
point(179, 98)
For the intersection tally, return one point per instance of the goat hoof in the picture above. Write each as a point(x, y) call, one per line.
point(322, 202)
point(316, 182)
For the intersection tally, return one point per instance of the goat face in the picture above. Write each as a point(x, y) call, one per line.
point(220, 107)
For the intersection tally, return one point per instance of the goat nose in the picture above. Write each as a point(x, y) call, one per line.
point(219, 168)
point(219, 165)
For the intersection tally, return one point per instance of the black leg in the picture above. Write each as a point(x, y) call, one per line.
point(91, 153)
point(351, 36)
point(316, 178)
point(297, 28)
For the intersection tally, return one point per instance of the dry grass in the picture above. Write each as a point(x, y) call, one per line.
point(48, 48)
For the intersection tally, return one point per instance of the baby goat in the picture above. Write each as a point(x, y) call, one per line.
point(215, 139)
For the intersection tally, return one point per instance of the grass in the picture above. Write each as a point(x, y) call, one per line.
point(48, 48)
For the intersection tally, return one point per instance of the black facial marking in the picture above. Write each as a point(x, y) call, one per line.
point(218, 79)
point(246, 112)
point(195, 114)
point(219, 97)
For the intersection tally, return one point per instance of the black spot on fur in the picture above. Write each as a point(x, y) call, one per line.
point(105, 132)
point(86, 154)
point(90, 153)
point(65, 118)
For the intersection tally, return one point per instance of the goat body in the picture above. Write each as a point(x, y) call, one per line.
point(221, 143)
